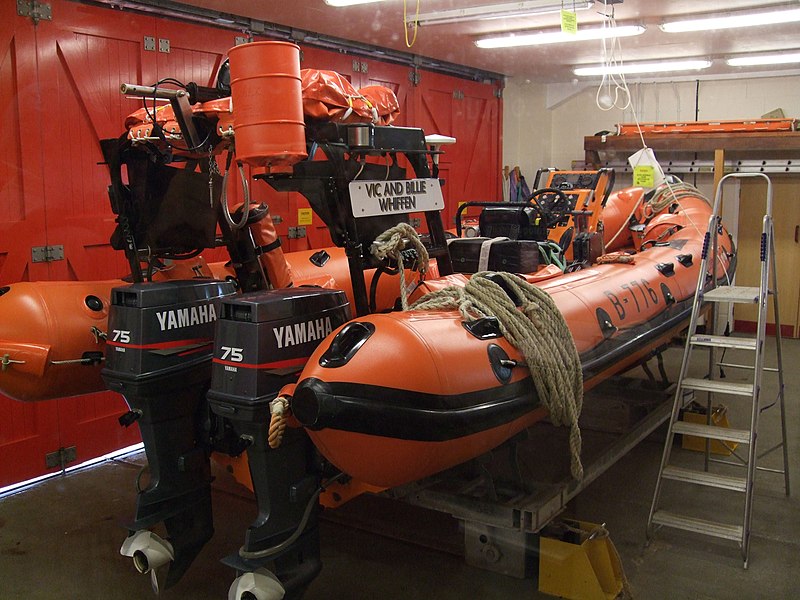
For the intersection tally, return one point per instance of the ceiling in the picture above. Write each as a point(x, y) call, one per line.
point(381, 25)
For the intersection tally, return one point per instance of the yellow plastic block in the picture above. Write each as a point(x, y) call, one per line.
point(590, 570)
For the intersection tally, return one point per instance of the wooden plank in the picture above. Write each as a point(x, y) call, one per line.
point(690, 142)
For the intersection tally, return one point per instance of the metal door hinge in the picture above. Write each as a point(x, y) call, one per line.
point(458, 95)
point(297, 232)
point(414, 77)
point(360, 67)
point(41, 254)
point(498, 92)
point(149, 43)
point(241, 39)
point(37, 11)
point(61, 457)
point(163, 45)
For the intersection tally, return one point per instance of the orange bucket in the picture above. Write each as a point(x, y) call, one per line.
point(267, 104)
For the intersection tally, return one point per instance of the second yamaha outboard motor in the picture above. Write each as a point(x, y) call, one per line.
point(263, 340)
point(160, 341)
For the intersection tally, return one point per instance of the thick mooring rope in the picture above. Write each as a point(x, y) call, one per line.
point(390, 244)
point(538, 330)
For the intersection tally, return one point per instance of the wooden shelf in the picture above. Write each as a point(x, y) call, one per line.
point(692, 142)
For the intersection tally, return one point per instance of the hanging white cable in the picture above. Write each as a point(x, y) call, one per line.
point(613, 91)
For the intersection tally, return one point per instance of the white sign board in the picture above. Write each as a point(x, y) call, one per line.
point(373, 198)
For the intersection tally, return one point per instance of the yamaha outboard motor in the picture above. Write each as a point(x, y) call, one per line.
point(263, 340)
point(160, 341)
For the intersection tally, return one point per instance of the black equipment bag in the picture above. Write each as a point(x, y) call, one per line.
point(513, 256)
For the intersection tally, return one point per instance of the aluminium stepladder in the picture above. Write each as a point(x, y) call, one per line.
point(749, 437)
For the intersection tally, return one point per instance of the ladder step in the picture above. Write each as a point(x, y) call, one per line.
point(712, 432)
point(714, 385)
point(724, 341)
point(748, 367)
point(733, 293)
point(720, 530)
point(725, 482)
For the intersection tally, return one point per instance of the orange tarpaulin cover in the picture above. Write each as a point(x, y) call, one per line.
point(327, 95)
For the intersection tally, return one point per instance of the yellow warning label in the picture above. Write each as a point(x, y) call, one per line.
point(569, 22)
point(305, 216)
point(644, 176)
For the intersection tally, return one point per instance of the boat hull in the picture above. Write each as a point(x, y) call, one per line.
point(421, 394)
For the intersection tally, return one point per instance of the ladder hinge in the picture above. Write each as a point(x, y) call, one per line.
point(41, 254)
point(37, 11)
point(61, 457)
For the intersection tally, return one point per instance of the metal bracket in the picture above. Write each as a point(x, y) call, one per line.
point(61, 457)
point(40, 254)
point(163, 45)
point(37, 11)
point(458, 95)
point(240, 39)
point(414, 76)
point(297, 233)
point(6, 361)
point(149, 43)
point(498, 92)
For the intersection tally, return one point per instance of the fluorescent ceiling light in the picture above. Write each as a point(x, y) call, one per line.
point(732, 20)
point(496, 11)
point(764, 59)
point(340, 3)
point(650, 67)
point(558, 37)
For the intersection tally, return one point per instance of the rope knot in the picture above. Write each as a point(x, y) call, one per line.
point(392, 244)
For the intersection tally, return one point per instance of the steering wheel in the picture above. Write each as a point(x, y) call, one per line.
point(554, 207)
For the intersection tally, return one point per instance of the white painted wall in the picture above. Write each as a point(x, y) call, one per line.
point(527, 127)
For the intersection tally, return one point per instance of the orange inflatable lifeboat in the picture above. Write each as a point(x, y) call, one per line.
point(392, 398)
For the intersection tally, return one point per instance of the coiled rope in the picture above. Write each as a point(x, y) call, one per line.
point(538, 330)
point(391, 243)
point(667, 193)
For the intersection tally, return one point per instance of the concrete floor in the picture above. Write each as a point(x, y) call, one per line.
point(61, 538)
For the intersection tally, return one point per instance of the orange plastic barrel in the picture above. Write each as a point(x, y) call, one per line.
point(267, 104)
